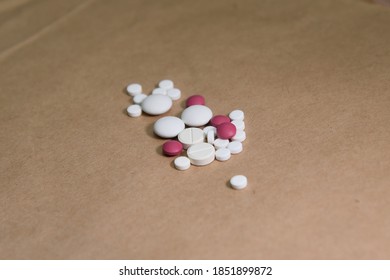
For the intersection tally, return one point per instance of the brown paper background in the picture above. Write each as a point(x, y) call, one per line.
point(80, 179)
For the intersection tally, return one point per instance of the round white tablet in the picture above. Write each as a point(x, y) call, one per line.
point(222, 154)
point(207, 128)
point(235, 147)
point(240, 136)
point(168, 127)
point(182, 163)
point(165, 84)
point(174, 93)
point(240, 125)
point(201, 154)
point(238, 182)
point(156, 104)
point(139, 98)
point(196, 115)
point(221, 143)
point(134, 111)
point(159, 91)
point(134, 89)
point(190, 136)
point(236, 115)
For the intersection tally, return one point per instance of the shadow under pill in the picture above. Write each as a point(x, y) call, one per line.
point(149, 131)
point(159, 150)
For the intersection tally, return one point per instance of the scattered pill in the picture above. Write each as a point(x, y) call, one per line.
point(168, 127)
point(201, 154)
point(240, 136)
point(134, 111)
point(240, 125)
point(221, 143)
point(208, 128)
point(239, 182)
point(222, 154)
point(191, 136)
point(159, 91)
point(226, 130)
point(174, 93)
point(235, 147)
point(165, 84)
point(210, 137)
point(172, 148)
point(236, 115)
point(134, 89)
point(196, 115)
point(139, 98)
point(195, 100)
point(156, 104)
point(219, 119)
point(182, 163)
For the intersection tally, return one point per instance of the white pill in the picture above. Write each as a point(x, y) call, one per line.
point(210, 137)
point(221, 143)
point(208, 128)
point(156, 104)
point(168, 127)
point(222, 154)
point(159, 91)
point(139, 98)
point(134, 89)
point(182, 163)
point(190, 136)
point(240, 136)
point(174, 93)
point(238, 182)
point(165, 84)
point(196, 115)
point(134, 111)
point(201, 154)
point(240, 125)
point(236, 115)
point(235, 147)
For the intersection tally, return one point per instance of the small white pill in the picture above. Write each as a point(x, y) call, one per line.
point(168, 127)
point(201, 154)
point(196, 115)
point(240, 125)
point(182, 163)
point(239, 182)
point(235, 147)
point(220, 143)
point(134, 89)
point(240, 136)
point(236, 115)
point(208, 128)
point(210, 137)
point(139, 98)
point(174, 93)
point(134, 111)
point(222, 154)
point(165, 84)
point(190, 136)
point(159, 91)
point(156, 104)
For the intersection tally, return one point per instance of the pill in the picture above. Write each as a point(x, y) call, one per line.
point(222, 154)
point(195, 100)
point(240, 136)
point(134, 89)
point(240, 125)
point(219, 119)
point(235, 147)
point(210, 137)
point(226, 130)
point(172, 148)
point(236, 115)
point(174, 93)
point(165, 84)
point(139, 98)
point(182, 163)
point(201, 154)
point(156, 104)
point(168, 127)
point(190, 136)
point(208, 128)
point(196, 115)
point(221, 143)
point(134, 111)
point(159, 91)
point(238, 182)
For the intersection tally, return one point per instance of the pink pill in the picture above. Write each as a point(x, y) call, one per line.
point(172, 148)
point(226, 130)
point(195, 100)
point(217, 120)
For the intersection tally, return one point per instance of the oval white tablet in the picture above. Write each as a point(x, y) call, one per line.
point(240, 125)
point(134, 89)
point(240, 136)
point(156, 104)
point(139, 98)
point(168, 127)
point(236, 115)
point(222, 154)
point(182, 163)
point(210, 137)
point(196, 115)
point(174, 93)
point(134, 111)
point(239, 182)
point(159, 91)
point(235, 147)
point(201, 154)
point(165, 84)
point(190, 136)
point(221, 143)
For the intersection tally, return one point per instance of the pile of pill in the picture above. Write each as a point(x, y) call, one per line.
point(205, 137)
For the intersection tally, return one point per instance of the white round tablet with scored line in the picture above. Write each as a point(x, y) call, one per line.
point(196, 115)
point(236, 115)
point(134, 89)
point(235, 147)
point(182, 163)
point(239, 182)
point(174, 93)
point(168, 127)
point(156, 104)
point(201, 154)
point(166, 84)
point(221, 143)
point(222, 154)
point(190, 136)
point(134, 111)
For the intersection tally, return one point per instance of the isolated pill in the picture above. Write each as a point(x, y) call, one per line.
point(195, 100)
point(226, 130)
point(196, 115)
point(134, 111)
point(191, 136)
point(156, 104)
point(172, 148)
point(201, 154)
point(134, 89)
point(168, 127)
point(182, 163)
point(236, 115)
point(239, 182)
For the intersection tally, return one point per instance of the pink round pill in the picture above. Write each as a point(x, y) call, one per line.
point(195, 100)
point(219, 119)
point(226, 130)
point(172, 148)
